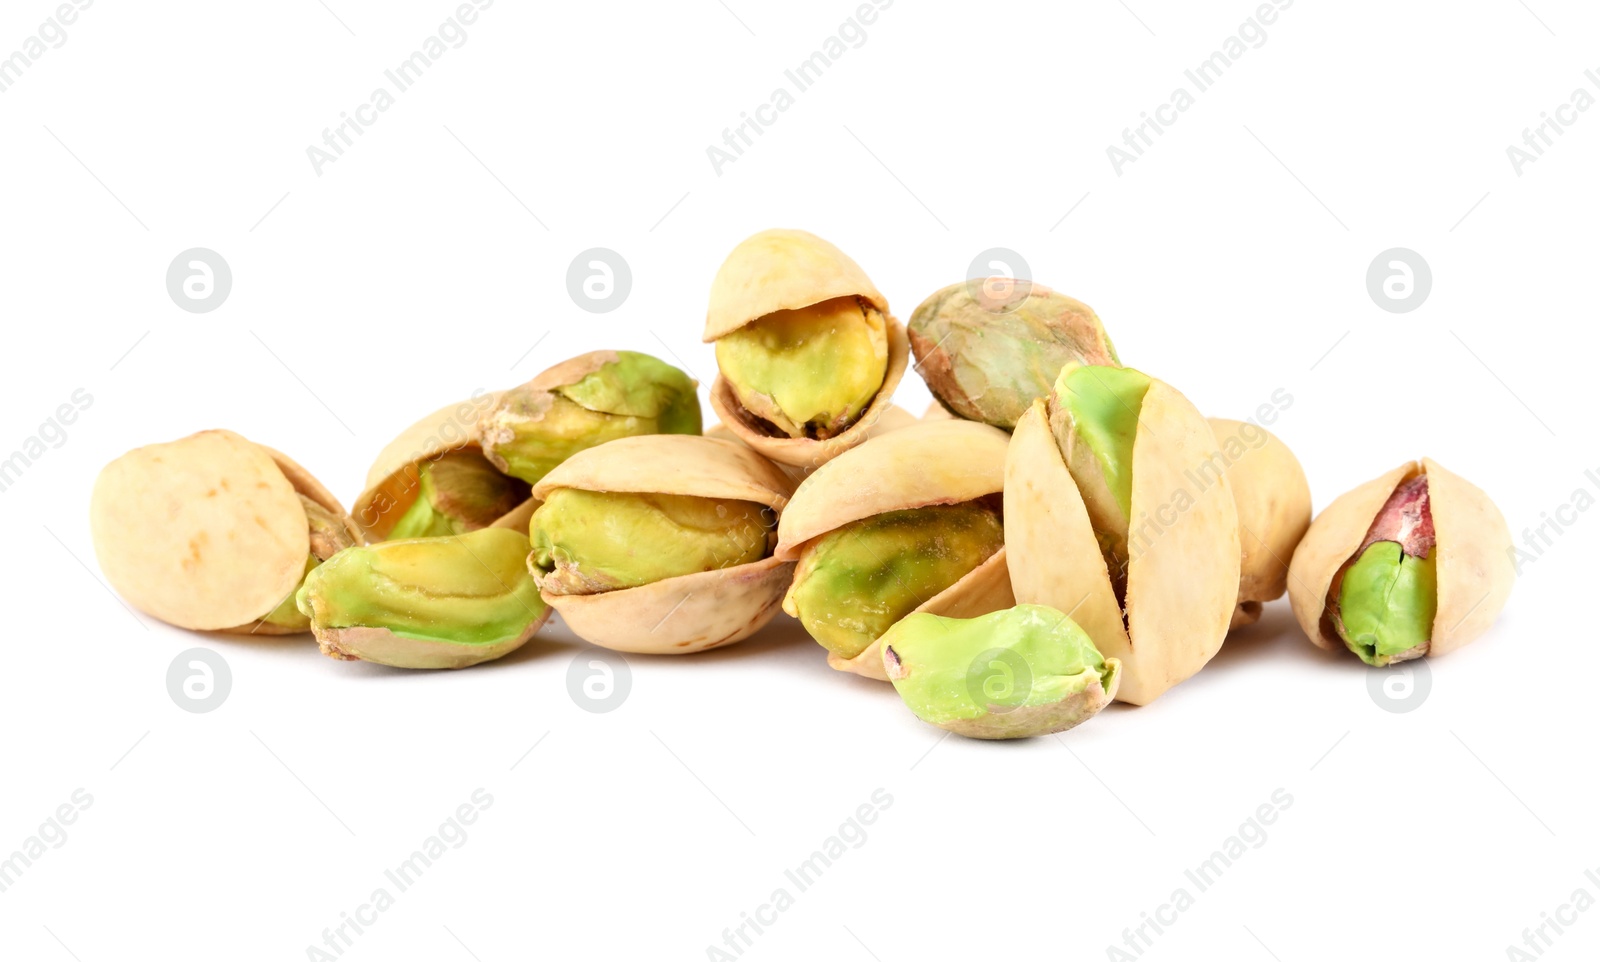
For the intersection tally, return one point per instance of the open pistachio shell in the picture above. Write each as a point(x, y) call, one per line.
point(923, 464)
point(687, 613)
point(985, 363)
point(1183, 544)
point(209, 532)
point(1274, 504)
point(1473, 570)
point(792, 271)
point(394, 481)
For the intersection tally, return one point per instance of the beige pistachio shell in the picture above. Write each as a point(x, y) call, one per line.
point(517, 518)
point(937, 412)
point(1474, 570)
point(926, 463)
point(1274, 505)
point(1183, 540)
point(984, 589)
point(205, 532)
point(1332, 540)
point(683, 615)
point(812, 452)
point(782, 270)
point(689, 613)
point(393, 480)
point(384, 647)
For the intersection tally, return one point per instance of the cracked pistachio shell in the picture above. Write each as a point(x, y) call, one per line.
point(1473, 566)
point(923, 464)
point(395, 480)
point(688, 613)
point(210, 532)
point(441, 602)
point(794, 271)
point(1014, 673)
point(988, 364)
point(1274, 504)
point(1183, 570)
point(582, 402)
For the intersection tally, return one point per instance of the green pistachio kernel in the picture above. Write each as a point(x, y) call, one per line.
point(857, 580)
point(1095, 417)
point(457, 492)
point(809, 372)
point(470, 589)
point(1027, 670)
point(1387, 602)
point(532, 430)
point(587, 542)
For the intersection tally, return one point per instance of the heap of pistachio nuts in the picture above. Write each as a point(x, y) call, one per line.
point(1058, 530)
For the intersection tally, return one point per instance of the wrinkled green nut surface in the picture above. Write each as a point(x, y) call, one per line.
point(1028, 670)
point(859, 579)
point(466, 590)
point(533, 429)
point(985, 362)
point(457, 492)
point(587, 542)
point(1387, 602)
point(809, 372)
point(1095, 415)
point(329, 536)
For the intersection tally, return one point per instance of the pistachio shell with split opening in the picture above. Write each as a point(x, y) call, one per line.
point(433, 479)
point(680, 481)
point(808, 355)
point(438, 602)
point(582, 402)
point(1166, 612)
point(213, 532)
point(1274, 504)
point(906, 522)
point(987, 358)
point(1013, 673)
point(1421, 555)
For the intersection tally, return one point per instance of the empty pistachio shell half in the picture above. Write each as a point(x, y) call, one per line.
point(987, 361)
point(906, 522)
point(213, 532)
point(1113, 516)
point(591, 399)
point(1274, 503)
point(807, 353)
point(1015, 673)
point(661, 544)
point(433, 479)
point(1415, 562)
point(445, 602)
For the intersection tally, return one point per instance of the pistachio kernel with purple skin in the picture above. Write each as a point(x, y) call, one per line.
point(1387, 593)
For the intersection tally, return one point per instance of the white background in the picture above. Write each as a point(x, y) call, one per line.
point(1229, 260)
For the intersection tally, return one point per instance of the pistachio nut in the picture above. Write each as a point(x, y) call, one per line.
point(588, 400)
point(661, 544)
point(433, 479)
point(986, 364)
point(807, 353)
point(1274, 504)
point(1415, 562)
point(214, 532)
point(908, 521)
point(1015, 673)
point(891, 418)
point(1117, 513)
point(440, 602)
